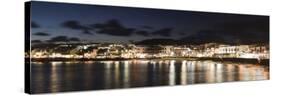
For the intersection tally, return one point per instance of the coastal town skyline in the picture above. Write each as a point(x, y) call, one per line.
point(59, 29)
point(77, 47)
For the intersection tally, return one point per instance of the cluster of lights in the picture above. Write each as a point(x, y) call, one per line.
point(120, 51)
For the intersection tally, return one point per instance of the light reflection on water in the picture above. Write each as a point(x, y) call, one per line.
point(94, 75)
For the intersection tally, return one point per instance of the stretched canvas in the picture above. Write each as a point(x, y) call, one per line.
point(78, 47)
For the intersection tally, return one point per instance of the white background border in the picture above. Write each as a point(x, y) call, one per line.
point(12, 47)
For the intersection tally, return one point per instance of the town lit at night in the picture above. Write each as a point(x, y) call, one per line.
point(74, 47)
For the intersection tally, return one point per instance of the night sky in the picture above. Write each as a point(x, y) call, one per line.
point(54, 22)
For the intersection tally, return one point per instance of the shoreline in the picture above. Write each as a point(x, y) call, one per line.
point(241, 60)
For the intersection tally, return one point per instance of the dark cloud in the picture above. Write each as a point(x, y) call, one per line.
point(41, 34)
point(74, 39)
point(113, 27)
point(142, 33)
point(166, 32)
point(34, 25)
point(146, 27)
point(87, 32)
point(158, 41)
point(63, 39)
point(59, 39)
point(181, 33)
point(72, 24)
point(75, 25)
point(97, 25)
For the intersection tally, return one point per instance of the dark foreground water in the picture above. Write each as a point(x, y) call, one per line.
point(93, 75)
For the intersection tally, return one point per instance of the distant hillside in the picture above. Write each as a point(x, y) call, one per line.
point(158, 42)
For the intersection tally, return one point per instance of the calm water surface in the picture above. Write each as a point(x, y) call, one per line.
point(93, 75)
